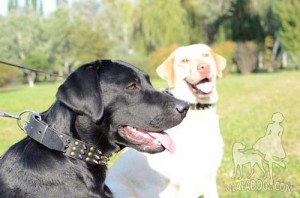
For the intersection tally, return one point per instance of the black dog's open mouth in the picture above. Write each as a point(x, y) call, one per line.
point(154, 141)
point(204, 87)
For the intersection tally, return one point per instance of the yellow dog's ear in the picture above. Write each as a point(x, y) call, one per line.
point(220, 64)
point(166, 71)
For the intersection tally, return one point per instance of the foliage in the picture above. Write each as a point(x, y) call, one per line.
point(160, 55)
point(123, 17)
point(226, 49)
point(19, 36)
point(37, 60)
point(138, 30)
point(162, 23)
point(62, 41)
point(7, 75)
point(69, 41)
point(241, 22)
point(245, 23)
point(288, 15)
point(204, 18)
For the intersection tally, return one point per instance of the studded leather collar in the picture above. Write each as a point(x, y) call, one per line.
point(199, 106)
point(69, 146)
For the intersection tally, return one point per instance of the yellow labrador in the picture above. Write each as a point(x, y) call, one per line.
point(191, 73)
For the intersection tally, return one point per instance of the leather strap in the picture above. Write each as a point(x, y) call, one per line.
point(199, 106)
point(71, 147)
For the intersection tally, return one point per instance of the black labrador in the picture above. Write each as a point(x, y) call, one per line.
point(106, 104)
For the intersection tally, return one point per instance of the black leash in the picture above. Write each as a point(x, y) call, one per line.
point(30, 69)
point(41, 132)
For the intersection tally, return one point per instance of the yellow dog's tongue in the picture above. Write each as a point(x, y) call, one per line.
point(165, 140)
point(205, 87)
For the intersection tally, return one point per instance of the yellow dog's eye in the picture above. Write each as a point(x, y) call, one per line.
point(205, 55)
point(185, 60)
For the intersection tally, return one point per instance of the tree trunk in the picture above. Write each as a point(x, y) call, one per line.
point(30, 78)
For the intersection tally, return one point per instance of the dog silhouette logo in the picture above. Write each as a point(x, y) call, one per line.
point(240, 158)
point(268, 149)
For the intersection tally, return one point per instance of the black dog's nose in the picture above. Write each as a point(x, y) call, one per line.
point(182, 107)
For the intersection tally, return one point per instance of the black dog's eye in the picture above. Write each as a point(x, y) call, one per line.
point(132, 86)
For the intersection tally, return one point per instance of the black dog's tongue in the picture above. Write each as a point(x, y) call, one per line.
point(165, 140)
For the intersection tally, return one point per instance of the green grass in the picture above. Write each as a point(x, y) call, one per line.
point(16, 99)
point(245, 108)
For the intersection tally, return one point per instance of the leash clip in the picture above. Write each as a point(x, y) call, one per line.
point(8, 115)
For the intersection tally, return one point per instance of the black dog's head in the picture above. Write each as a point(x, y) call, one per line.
point(116, 106)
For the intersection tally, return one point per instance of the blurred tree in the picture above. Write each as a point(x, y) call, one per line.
point(7, 75)
point(245, 23)
point(19, 36)
point(12, 5)
point(35, 5)
point(162, 23)
point(30, 7)
point(117, 18)
point(31, 4)
point(263, 9)
point(88, 11)
point(61, 2)
point(56, 45)
point(36, 60)
point(86, 44)
point(227, 50)
point(70, 40)
point(140, 30)
point(288, 15)
point(204, 18)
point(242, 24)
point(246, 57)
point(62, 40)
point(159, 56)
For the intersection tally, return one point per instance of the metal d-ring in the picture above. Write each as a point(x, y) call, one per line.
point(27, 120)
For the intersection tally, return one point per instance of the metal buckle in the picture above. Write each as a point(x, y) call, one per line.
point(31, 112)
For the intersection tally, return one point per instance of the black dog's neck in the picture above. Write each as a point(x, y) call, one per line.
point(64, 121)
point(81, 127)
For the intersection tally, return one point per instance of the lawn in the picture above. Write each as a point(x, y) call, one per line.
point(245, 108)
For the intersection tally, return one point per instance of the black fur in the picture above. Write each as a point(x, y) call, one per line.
point(91, 105)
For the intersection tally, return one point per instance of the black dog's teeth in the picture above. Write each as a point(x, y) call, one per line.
point(155, 141)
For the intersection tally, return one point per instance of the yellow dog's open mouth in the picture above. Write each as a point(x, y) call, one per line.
point(147, 139)
point(204, 87)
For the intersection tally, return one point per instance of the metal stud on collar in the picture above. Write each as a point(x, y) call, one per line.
point(86, 152)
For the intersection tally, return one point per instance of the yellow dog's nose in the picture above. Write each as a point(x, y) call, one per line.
point(203, 68)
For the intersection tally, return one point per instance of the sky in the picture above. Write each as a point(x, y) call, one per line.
point(49, 6)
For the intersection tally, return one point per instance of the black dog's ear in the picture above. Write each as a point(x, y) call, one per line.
point(81, 91)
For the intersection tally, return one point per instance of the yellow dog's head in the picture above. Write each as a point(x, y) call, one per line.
point(195, 68)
